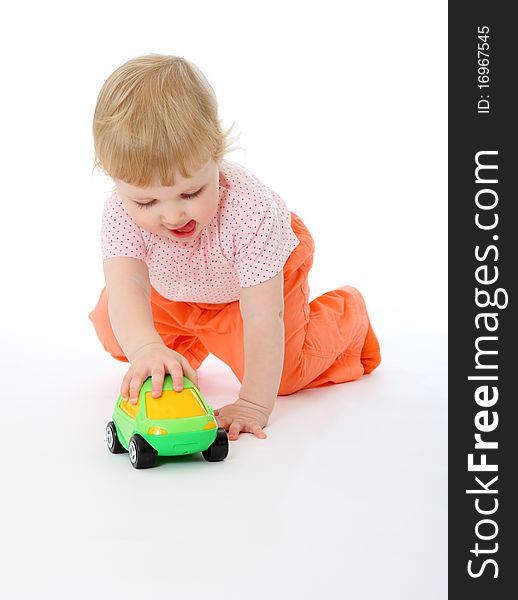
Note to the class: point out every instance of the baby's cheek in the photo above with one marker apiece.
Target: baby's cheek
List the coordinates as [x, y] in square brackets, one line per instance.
[138, 218]
[149, 223]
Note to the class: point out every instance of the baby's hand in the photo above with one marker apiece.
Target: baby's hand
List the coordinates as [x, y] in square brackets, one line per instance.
[155, 359]
[242, 416]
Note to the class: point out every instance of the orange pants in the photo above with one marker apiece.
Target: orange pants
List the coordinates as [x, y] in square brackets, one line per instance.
[328, 340]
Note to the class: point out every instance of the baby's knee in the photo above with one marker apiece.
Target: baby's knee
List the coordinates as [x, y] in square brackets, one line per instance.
[101, 322]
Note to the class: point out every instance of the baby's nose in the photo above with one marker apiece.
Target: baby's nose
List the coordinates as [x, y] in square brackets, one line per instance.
[174, 220]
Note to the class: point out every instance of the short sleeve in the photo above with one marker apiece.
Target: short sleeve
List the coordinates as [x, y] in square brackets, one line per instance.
[120, 235]
[270, 240]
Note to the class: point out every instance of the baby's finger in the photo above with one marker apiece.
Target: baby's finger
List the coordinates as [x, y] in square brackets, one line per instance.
[175, 368]
[216, 412]
[135, 385]
[234, 429]
[190, 373]
[125, 383]
[224, 422]
[158, 381]
[256, 429]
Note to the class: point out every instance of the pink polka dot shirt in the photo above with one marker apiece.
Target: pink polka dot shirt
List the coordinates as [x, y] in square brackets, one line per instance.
[247, 242]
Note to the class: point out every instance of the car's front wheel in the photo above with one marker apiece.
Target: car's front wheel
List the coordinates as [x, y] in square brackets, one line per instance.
[219, 449]
[142, 455]
[112, 439]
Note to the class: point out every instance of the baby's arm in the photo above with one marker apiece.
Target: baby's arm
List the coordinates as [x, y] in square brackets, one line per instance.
[129, 307]
[262, 310]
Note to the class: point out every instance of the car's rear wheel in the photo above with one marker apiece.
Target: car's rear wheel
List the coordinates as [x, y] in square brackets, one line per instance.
[219, 449]
[112, 439]
[142, 455]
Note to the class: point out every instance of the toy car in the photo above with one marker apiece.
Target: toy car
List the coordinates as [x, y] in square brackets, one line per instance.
[173, 424]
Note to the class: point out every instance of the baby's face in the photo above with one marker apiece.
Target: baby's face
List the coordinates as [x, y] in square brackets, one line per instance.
[162, 209]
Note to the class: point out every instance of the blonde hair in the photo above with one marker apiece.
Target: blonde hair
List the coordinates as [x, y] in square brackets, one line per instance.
[154, 114]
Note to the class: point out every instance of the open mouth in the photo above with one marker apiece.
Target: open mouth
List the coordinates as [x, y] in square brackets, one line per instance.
[186, 230]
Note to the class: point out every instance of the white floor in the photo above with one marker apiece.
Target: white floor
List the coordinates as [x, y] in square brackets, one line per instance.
[346, 498]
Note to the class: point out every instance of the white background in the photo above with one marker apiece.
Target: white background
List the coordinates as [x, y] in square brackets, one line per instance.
[341, 108]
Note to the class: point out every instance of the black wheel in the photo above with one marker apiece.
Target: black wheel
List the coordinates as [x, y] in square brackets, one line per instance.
[219, 449]
[142, 455]
[112, 440]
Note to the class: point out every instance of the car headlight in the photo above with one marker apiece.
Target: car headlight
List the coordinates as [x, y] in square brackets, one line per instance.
[210, 425]
[157, 431]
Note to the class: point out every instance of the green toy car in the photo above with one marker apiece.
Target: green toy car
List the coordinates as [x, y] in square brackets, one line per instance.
[173, 424]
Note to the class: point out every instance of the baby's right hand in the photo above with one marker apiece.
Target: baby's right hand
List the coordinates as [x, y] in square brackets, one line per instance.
[155, 359]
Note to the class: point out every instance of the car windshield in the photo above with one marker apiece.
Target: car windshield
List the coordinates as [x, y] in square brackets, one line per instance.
[174, 405]
[130, 409]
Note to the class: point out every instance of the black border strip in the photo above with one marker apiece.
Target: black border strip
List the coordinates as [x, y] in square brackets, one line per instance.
[482, 129]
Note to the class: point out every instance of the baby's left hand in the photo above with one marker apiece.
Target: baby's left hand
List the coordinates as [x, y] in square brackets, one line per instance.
[242, 416]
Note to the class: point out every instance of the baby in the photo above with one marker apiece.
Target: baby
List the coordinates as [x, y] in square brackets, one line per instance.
[202, 257]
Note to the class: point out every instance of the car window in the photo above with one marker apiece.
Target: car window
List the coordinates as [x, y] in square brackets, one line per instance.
[174, 405]
[130, 409]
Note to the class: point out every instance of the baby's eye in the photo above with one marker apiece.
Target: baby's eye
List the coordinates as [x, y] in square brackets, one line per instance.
[194, 195]
[146, 204]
